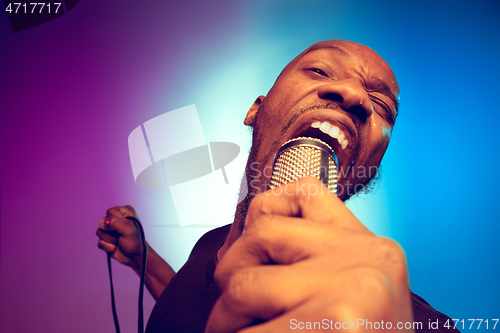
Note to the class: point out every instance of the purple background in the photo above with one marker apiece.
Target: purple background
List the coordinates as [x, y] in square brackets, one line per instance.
[72, 90]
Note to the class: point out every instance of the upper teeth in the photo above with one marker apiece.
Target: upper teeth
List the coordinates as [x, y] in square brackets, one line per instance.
[332, 131]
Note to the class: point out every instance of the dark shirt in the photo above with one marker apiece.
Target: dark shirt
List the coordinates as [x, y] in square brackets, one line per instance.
[186, 302]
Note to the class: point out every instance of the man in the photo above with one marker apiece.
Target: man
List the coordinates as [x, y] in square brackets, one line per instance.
[295, 257]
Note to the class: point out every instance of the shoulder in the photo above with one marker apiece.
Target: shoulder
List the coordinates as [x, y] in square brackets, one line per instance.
[429, 319]
[212, 239]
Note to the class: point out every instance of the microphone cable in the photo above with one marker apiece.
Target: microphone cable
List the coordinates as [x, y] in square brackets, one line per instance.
[140, 320]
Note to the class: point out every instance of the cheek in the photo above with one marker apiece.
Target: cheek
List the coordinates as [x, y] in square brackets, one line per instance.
[287, 94]
[377, 142]
[386, 131]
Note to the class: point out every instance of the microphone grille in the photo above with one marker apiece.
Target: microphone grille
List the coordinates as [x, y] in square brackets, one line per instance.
[304, 156]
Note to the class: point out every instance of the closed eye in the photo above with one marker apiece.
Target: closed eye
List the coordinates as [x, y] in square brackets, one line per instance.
[317, 70]
[389, 113]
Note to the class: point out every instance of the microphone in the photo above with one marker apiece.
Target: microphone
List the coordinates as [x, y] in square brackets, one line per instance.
[305, 156]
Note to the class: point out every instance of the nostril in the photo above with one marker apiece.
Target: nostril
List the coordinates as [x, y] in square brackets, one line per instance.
[333, 97]
[359, 112]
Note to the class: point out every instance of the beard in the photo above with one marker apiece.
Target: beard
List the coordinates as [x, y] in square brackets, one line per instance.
[252, 175]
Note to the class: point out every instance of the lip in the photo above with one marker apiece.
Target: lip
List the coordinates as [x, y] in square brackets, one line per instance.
[302, 127]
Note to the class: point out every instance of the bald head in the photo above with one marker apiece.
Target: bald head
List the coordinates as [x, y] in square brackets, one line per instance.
[341, 92]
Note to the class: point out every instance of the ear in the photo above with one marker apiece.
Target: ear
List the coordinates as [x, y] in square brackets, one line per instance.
[252, 113]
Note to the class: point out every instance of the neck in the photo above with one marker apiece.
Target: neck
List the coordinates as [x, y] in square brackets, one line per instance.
[254, 182]
[238, 224]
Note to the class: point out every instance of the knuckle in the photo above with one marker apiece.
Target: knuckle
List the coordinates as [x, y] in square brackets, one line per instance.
[341, 310]
[111, 210]
[259, 229]
[236, 289]
[373, 282]
[373, 287]
[127, 211]
[260, 208]
[258, 203]
[393, 257]
[391, 252]
[130, 209]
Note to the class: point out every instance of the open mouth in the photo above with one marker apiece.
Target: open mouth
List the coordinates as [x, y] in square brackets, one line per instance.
[333, 133]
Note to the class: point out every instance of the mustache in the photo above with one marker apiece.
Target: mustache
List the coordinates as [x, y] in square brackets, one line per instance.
[319, 106]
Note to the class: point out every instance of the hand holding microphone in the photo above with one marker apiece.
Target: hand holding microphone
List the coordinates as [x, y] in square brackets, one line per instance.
[305, 258]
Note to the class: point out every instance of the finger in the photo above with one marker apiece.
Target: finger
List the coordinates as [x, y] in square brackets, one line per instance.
[103, 223]
[121, 211]
[278, 239]
[268, 292]
[345, 307]
[129, 211]
[286, 240]
[257, 292]
[107, 247]
[116, 222]
[314, 315]
[104, 232]
[309, 315]
[108, 236]
[307, 198]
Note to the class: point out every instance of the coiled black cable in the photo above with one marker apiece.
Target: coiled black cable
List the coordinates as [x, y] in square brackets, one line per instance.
[140, 320]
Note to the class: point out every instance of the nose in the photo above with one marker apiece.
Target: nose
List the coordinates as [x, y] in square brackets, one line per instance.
[351, 96]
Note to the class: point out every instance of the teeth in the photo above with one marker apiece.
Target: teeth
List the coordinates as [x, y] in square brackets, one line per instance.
[341, 138]
[332, 131]
[325, 127]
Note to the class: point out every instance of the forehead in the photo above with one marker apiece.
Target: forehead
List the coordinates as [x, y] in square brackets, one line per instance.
[351, 56]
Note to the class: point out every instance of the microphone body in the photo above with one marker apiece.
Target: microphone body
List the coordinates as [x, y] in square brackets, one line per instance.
[305, 156]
